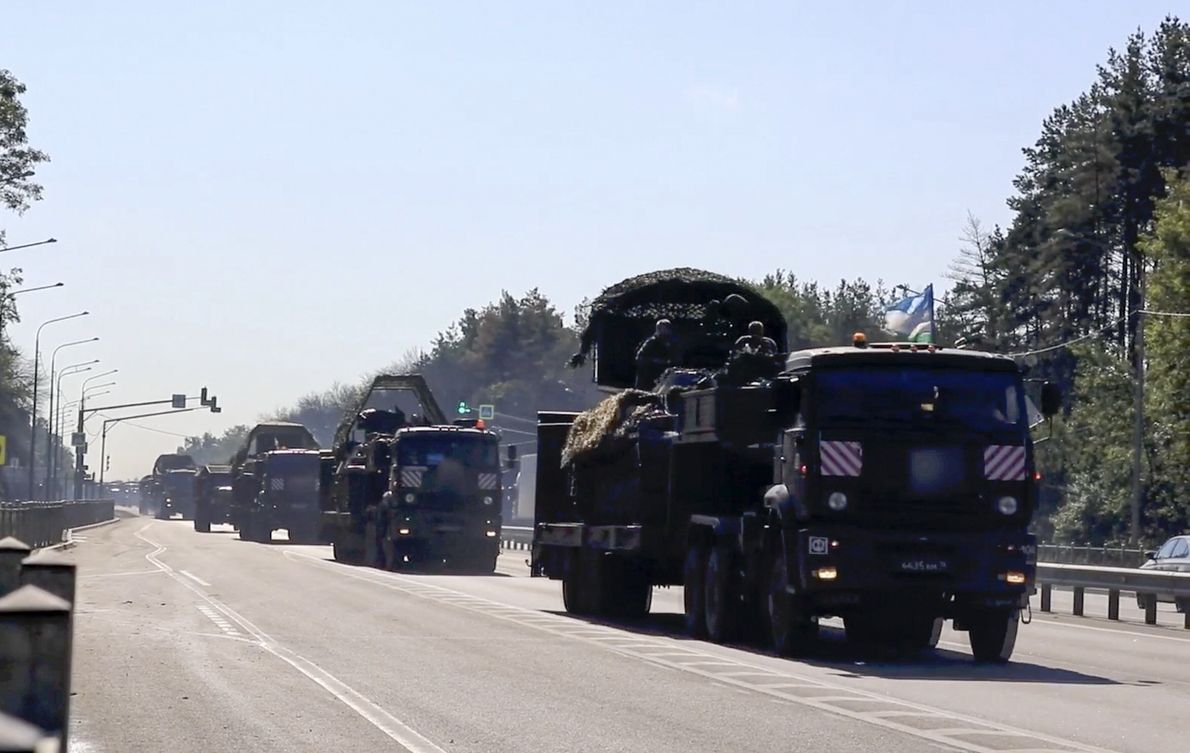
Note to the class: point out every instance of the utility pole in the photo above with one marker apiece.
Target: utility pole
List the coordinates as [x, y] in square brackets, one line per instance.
[1138, 411]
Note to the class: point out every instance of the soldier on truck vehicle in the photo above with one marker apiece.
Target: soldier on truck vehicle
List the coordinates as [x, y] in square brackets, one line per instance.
[755, 342]
[655, 355]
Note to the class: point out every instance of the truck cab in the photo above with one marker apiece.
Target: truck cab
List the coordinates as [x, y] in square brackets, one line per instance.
[276, 483]
[444, 498]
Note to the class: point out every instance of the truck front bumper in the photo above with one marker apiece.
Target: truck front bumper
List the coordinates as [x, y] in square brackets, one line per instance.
[845, 566]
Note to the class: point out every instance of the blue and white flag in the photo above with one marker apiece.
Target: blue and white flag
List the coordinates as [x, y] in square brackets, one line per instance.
[912, 317]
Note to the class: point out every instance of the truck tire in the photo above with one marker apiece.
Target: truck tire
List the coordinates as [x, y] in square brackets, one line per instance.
[583, 585]
[694, 573]
[373, 552]
[790, 631]
[572, 596]
[627, 588]
[992, 634]
[349, 555]
[202, 520]
[721, 601]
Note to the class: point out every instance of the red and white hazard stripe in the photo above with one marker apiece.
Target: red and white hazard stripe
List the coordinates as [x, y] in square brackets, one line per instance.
[1004, 462]
[411, 477]
[488, 480]
[841, 458]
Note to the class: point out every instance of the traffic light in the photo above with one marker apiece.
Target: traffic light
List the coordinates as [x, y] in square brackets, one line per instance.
[464, 408]
[214, 405]
[203, 397]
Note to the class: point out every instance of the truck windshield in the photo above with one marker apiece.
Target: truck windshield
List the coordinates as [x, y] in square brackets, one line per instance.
[977, 400]
[293, 465]
[179, 483]
[471, 451]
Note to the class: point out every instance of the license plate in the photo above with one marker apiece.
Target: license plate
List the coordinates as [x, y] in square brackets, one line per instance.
[447, 529]
[923, 565]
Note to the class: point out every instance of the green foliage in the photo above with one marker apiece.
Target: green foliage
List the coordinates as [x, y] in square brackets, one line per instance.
[511, 353]
[17, 159]
[209, 449]
[818, 316]
[1167, 342]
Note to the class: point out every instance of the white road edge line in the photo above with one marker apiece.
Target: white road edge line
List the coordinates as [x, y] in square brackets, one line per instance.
[195, 578]
[394, 728]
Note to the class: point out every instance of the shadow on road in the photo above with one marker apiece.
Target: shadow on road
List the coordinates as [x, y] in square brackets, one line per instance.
[832, 651]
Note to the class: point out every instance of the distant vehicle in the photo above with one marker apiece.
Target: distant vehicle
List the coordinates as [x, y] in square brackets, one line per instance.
[1173, 556]
[213, 497]
[170, 488]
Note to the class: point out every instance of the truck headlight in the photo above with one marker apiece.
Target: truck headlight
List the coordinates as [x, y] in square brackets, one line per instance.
[1007, 505]
[837, 501]
[410, 498]
[488, 500]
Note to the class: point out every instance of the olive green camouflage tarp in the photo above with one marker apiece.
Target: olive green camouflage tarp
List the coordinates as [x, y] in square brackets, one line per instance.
[611, 419]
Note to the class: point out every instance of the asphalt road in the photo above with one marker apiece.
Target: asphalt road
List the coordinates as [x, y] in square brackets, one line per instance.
[203, 642]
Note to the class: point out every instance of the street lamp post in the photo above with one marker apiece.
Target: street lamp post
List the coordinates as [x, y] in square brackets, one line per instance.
[33, 407]
[49, 435]
[20, 292]
[55, 418]
[28, 245]
[78, 449]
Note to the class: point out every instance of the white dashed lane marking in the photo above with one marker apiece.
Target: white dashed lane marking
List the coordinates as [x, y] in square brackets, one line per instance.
[935, 725]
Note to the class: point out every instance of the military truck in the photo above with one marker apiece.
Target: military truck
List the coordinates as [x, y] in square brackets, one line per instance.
[148, 502]
[212, 497]
[275, 480]
[407, 486]
[891, 485]
[171, 486]
[444, 498]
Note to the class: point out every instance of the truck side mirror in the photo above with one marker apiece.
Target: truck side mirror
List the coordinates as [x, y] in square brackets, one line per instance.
[511, 456]
[1051, 399]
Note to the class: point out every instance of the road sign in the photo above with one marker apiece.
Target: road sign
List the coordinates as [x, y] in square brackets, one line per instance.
[3, 450]
[487, 412]
[78, 439]
[179, 401]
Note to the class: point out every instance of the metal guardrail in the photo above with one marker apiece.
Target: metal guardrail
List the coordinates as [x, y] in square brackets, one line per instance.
[1079, 578]
[1100, 556]
[41, 524]
[516, 537]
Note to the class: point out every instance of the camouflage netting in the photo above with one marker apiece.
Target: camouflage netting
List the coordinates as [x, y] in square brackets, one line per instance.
[676, 294]
[611, 420]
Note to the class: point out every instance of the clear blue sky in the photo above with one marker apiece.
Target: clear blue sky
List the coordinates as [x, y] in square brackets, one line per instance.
[268, 197]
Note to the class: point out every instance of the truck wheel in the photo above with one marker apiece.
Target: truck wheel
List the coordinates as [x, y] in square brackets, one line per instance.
[790, 630]
[202, 521]
[993, 634]
[694, 579]
[935, 633]
[572, 597]
[719, 596]
[582, 584]
[373, 554]
[628, 590]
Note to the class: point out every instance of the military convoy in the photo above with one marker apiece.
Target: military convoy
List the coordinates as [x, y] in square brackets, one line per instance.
[890, 485]
[408, 488]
